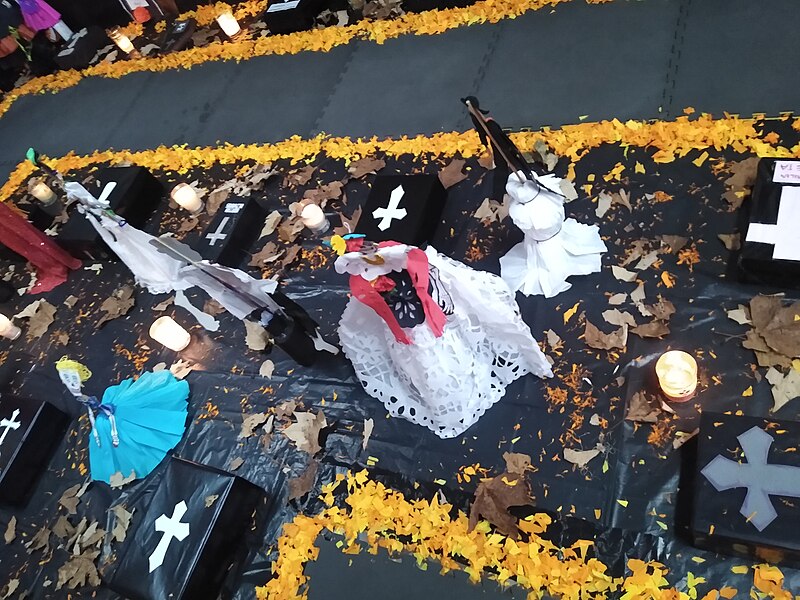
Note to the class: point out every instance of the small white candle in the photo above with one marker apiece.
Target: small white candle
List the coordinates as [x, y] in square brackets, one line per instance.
[8, 329]
[229, 24]
[42, 192]
[313, 218]
[122, 41]
[186, 197]
[677, 375]
[169, 333]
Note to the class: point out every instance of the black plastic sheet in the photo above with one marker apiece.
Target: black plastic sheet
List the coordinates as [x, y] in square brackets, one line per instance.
[628, 499]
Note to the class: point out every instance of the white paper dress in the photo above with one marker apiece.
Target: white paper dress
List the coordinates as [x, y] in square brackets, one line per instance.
[554, 248]
[444, 383]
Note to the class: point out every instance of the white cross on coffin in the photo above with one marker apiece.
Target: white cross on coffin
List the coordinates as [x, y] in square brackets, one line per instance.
[172, 528]
[9, 424]
[761, 479]
[391, 212]
[784, 235]
[218, 236]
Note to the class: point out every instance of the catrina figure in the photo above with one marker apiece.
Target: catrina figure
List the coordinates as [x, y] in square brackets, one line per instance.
[433, 339]
[136, 423]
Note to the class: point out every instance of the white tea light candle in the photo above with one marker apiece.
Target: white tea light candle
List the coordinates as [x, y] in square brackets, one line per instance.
[8, 329]
[123, 42]
[677, 375]
[169, 333]
[186, 197]
[229, 24]
[42, 192]
[313, 218]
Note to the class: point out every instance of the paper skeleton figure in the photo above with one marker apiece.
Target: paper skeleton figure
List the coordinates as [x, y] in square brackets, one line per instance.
[135, 424]
[434, 340]
[554, 248]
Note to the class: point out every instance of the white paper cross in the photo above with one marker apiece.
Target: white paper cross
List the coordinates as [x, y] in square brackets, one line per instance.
[391, 212]
[8, 424]
[218, 235]
[784, 234]
[761, 479]
[172, 528]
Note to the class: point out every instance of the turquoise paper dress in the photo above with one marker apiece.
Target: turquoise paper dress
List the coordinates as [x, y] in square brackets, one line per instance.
[150, 413]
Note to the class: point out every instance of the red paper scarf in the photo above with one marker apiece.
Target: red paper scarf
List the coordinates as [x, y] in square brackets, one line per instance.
[51, 262]
[417, 267]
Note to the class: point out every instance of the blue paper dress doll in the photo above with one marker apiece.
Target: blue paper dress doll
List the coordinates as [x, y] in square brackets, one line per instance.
[135, 425]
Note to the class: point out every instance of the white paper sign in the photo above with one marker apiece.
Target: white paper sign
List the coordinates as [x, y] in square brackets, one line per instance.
[784, 233]
[283, 6]
[787, 171]
[233, 209]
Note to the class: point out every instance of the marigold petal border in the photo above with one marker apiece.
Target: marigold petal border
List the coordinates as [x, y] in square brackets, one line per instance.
[430, 22]
[669, 139]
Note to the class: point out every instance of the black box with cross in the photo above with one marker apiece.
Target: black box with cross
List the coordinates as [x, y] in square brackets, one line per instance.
[29, 432]
[185, 543]
[403, 208]
[747, 487]
[235, 227]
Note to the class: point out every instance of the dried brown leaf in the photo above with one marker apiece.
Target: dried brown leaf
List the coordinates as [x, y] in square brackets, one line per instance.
[298, 176]
[517, 463]
[305, 432]
[491, 210]
[619, 318]
[369, 424]
[291, 255]
[595, 338]
[79, 571]
[162, 306]
[642, 409]
[663, 309]
[235, 464]
[299, 486]
[11, 530]
[653, 329]
[674, 242]
[215, 199]
[266, 369]
[40, 541]
[623, 274]
[40, 315]
[348, 225]
[365, 166]
[117, 480]
[493, 499]
[117, 305]
[210, 500]
[268, 254]
[580, 458]
[250, 423]
[270, 224]
[213, 308]
[257, 337]
[732, 241]
[452, 173]
[290, 229]
[122, 520]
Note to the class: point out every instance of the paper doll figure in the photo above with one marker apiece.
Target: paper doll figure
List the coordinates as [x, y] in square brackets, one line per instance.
[554, 248]
[135, 425]
[39, 15]
[52, 263]
[505, 154]
[164, 264]
[434, 340]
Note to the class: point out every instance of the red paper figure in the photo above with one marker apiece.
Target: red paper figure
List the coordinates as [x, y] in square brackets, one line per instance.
[51, 262]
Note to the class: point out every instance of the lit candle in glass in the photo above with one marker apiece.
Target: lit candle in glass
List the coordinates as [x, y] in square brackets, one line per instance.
[186, 197]
[167, 332]
[313, 218]
[677, 375]
[8, 329]
[41, 191]
[229, 24]
[123, 42]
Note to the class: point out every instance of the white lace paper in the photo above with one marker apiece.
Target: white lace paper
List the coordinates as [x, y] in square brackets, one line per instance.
[553, 248]
[445, 383]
